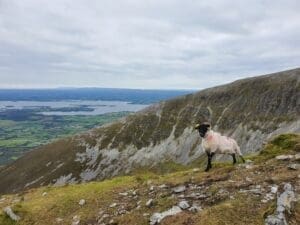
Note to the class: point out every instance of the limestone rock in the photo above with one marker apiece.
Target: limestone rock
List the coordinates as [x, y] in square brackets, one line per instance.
[284, 157]
[8, 211]
[284, 203]
[183, 204]
[294, 166]
[179, 189]
[157, 217]
[81, 202]
[113, 205]
[149, 203]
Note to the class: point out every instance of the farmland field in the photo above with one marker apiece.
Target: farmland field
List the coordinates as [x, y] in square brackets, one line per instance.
[30, 118]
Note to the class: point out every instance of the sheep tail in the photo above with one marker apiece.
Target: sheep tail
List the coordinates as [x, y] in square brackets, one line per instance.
[238, 150]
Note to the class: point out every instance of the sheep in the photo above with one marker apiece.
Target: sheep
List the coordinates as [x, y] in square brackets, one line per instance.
[214, 143]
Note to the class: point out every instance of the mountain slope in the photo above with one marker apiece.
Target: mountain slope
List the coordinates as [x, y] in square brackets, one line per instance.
[251, 110]
[240, 194]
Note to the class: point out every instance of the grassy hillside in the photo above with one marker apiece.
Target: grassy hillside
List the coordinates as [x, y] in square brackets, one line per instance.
[250, 110]
[227, 194]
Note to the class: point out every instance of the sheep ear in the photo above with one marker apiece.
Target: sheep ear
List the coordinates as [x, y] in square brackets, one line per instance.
[197, 126]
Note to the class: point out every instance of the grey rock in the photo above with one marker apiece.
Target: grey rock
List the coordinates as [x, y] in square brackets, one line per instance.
[151, 188]
[248, 166]
[256, 191]
[158, 217]
[149, 203]
[297, 156]
[274, 220]
[284, 157]
[113, 205]
[81, 202]
[268, 197]
[284, 203]
[163, 186]
[196, 196]
[286, 199]
[248, 179]
[8, 211]
[183, 204]
[112, 222]
[123, 193]
[179, 189]
[195, 170]
[294, 166]
[274, 189]
[195, 208]
[59, 220]
[76, 220]
[122, 211]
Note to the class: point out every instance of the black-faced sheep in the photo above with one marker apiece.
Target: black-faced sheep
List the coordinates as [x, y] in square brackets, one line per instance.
[214, 143]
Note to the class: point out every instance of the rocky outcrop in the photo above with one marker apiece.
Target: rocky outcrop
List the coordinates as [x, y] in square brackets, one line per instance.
[284, 204]
[250, 110]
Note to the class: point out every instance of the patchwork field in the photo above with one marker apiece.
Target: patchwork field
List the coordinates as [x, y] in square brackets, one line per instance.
[27, 130]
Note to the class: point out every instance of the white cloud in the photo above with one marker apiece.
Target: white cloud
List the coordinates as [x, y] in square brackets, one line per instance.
[144, 44]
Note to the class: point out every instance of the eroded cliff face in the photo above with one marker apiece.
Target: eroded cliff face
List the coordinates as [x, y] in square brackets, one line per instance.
[250, 110]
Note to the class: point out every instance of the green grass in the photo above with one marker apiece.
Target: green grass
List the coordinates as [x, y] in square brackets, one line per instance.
[282, 144]
[17, 137]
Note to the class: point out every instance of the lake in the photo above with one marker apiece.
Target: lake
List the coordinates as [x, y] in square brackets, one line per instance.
[72, 107]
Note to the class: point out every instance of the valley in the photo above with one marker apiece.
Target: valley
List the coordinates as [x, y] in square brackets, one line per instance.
[23, 130]
[32, 118]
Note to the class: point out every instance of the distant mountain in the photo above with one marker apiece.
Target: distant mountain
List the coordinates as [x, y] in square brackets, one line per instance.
[138, 96]
[250, 110]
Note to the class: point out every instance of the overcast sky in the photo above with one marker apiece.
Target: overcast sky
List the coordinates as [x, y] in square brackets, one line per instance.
[166, 44]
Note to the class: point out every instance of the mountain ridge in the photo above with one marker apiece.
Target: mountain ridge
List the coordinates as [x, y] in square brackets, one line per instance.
[251, 110]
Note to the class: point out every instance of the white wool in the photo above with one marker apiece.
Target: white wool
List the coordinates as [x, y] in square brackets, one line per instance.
[214, 142]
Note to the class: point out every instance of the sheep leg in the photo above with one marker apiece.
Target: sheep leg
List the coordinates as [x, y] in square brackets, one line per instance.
[242, 158]
[209, 158]
[234, 159]
[238, 151]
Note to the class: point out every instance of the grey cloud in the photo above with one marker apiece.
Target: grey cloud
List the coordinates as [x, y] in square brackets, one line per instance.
[144, 44]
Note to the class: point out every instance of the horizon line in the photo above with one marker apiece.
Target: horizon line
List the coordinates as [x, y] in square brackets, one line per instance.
[92, 87]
